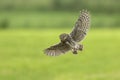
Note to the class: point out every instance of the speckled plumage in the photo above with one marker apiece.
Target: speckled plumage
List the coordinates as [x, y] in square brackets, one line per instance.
[70, 41]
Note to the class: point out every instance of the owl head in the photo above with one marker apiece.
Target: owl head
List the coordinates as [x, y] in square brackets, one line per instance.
[63, 37]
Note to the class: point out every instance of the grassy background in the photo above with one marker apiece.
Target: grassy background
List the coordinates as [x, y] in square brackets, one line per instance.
[27, 27]
[22, 58]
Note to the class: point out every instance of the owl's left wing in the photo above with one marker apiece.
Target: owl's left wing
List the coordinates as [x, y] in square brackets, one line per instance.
[81, 27]
[57, 49]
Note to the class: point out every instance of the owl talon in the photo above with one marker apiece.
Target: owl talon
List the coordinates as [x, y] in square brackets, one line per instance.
[80, 47]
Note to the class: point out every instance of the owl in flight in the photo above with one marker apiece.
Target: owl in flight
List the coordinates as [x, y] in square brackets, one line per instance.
[70, 41]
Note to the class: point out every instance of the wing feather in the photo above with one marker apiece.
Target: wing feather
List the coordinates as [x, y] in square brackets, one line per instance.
[57, 49]
[81, 26]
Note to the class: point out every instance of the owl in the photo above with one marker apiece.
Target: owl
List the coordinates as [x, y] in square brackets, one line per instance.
[70, 42]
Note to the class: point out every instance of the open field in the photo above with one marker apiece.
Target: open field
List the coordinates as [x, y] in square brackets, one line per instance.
[22, 58]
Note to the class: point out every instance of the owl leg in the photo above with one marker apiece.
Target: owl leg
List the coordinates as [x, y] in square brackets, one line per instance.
[80, 47]
[74, 51]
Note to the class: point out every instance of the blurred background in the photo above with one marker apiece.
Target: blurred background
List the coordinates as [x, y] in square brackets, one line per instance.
[27, 27]
[26, 14]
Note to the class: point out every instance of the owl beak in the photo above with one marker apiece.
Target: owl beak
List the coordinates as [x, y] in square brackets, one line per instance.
[64, 38]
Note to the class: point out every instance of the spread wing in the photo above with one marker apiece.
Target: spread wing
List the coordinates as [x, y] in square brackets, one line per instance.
[57, 49]
[81, 26]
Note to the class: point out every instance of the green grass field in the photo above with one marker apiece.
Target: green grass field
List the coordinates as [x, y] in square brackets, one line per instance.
[22, 58]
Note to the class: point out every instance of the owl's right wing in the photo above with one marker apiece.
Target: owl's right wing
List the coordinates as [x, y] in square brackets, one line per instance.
[81, 27]
[57, 49]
